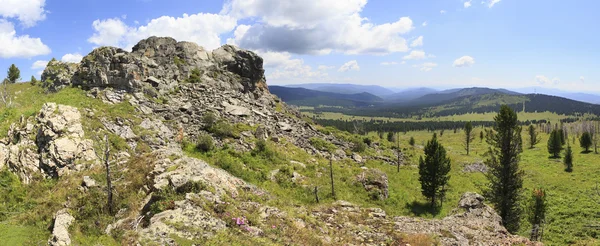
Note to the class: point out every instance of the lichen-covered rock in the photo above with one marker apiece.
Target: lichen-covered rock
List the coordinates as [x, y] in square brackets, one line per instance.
[375, 182]
[58, 75]
[60, 232]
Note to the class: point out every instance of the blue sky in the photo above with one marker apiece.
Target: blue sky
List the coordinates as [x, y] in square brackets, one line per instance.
[434, 43]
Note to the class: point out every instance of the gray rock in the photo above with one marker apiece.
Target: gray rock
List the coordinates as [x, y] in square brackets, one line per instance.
[60, 232]
[285, 126]
[356, 157]
[375, 182]
[237, 110]
[58, 74]
[88, 182]
[471, 200]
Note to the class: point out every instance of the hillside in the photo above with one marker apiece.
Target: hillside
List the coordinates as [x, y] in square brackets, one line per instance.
[410, 94]
[196, 150]
[314, 98]
[345, 88]
[448, 95]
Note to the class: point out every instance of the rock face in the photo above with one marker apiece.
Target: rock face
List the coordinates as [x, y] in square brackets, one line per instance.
[60, 232]
[52, 145]
[157, 65]
[58, 75]
[375, 182]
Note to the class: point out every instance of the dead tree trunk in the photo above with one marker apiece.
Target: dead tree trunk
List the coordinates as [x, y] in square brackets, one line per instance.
[398, 150]
[108, 178]
[317, 193]
[331, 175]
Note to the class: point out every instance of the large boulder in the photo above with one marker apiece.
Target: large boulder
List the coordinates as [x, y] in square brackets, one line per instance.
[60, 232]
[58, 74]
[158, 64]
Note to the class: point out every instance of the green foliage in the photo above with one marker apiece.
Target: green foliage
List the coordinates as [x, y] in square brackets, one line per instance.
[433, 170]
[411, 142]
[13, 74]
[568, 161]
[554, 144]
[390, 137]
[358, 146]
[321, 144]
[534, 138]
[205, 143]
[505, 176]
[561, 135]
[178, 61]
[12, 195]
[195, 76]
[33, 80]
[537, 212]
[367, 141]
[209, 120]
[224, 129]
[585, 141]
[468, 135]
[165, 199]
[481, 136]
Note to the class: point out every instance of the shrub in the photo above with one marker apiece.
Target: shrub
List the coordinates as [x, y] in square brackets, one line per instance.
[586, 141]
[224, 130]
[411, 141]
[209, 119]
[321, 144]
[195, 76]
[359, 146]
[205, 143]
[367, 141]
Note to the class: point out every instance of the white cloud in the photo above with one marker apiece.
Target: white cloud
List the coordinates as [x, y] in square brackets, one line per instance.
[325, 68]
[415, 55]
[426, 67]
[349, 66]
[417, 42]
[316, 27]
[467, 4]
[543, 80]
[388, 63]
[465, 61]
[13, 46]
[281, 67]
[491, 3]
[204, 29]
[403, 62]
[40, 64]
[442, 11]
[75, 58]
[424, 23]
[28, 12]
[582, 79]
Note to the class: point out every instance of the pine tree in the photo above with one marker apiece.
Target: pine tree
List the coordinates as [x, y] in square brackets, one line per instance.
[468, 136]
[534, 138]
[14, 74]
[505, 176]
[586, 141]
[537, 213]
[568, 161]
[33, 80]
[554, 144]
[411, 141]
[390, 137]
[433, 170]
[561, 136]
[481, 136]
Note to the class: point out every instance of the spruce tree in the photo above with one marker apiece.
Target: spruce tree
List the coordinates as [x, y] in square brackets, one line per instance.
[586, 141]
[468, 136]
[554, 144]
[561, 135]
[534, 138]
[433, 170]
[33, 80]
[481, 136]
[505, 176]
[14, 74]
[390, 137]
[568, 161]
[411, 141]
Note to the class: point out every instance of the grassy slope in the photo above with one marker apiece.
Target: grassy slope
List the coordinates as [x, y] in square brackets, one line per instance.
[552, 117]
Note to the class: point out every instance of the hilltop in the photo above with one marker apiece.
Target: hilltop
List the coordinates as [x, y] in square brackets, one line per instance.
[201, 152]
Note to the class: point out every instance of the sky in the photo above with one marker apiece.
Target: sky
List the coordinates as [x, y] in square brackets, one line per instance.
[393, 43]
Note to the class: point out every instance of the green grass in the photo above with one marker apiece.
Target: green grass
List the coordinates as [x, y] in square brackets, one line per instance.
[552, 117]
[22, 235]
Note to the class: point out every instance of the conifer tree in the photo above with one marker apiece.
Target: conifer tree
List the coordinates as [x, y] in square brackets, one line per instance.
[33, 80]
[13, 74]
[554, 144]
[568, 161]
[433, 170]
[505, 176]
[534, 138]
[468, 136]
[586, 141]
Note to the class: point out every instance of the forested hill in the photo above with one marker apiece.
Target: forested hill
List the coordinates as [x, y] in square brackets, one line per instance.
[481, 104]
[314, 98]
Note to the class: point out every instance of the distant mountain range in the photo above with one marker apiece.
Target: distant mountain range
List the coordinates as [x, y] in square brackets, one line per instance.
[398, 95]
[314, 98]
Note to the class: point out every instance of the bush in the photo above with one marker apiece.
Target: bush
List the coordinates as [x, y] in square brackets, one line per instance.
[411, 141]
[224, 130]
[194, 76]
[359, 146]
[367, 141]
[209, 119]
[205, 143]
[321, 144]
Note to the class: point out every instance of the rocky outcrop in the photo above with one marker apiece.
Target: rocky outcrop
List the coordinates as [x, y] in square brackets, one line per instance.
[157, 65]
[58, 75]
[51, 145]
[375, 183]
[60, 232]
